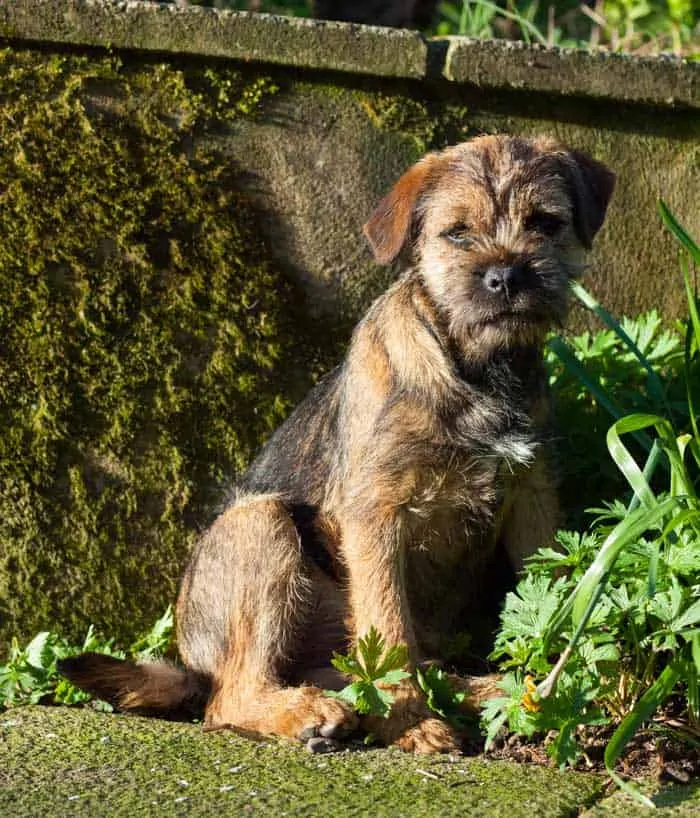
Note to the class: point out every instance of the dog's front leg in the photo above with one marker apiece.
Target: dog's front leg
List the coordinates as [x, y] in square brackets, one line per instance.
[533, 514]
[375, 554]
[375, 557]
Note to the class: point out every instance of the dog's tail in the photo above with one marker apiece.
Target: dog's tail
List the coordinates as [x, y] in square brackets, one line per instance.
[156, 688]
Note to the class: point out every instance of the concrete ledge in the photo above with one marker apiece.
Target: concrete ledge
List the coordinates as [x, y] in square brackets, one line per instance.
[365, 50]
[499, 63]
[164, 27]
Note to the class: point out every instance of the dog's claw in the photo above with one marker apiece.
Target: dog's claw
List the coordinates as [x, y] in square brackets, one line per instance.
[336, 730]
[319, 744]
[309, 732]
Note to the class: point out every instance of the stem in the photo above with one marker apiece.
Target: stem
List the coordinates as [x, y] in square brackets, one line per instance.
[547, 687]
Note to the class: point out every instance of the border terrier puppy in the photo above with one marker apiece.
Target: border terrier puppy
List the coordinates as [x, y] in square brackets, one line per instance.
[385, 497]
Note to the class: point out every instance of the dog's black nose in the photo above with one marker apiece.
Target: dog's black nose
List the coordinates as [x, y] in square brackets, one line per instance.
[499, 279]
[504, 279]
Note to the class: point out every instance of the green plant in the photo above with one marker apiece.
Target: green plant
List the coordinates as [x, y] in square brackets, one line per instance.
[596, 377]
[617, 25]
[610, 622]
[440, 695]
[479, 18]
[30, 676]
[374, 668]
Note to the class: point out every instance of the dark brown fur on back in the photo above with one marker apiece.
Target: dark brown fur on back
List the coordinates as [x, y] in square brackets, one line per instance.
[390, 493]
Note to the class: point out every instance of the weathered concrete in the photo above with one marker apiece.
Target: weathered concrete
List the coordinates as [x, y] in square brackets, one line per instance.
[358, 49]
[323, 155]
[679, 801]
[75, 762]
[659, 81]
[174, 29]
[64, 762]
[330, 144]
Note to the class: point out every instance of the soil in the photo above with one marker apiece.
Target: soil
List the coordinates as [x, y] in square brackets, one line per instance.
[651, 753]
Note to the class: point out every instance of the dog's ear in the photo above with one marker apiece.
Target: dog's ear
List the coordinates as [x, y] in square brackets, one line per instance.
[592, 184]
[389, 226]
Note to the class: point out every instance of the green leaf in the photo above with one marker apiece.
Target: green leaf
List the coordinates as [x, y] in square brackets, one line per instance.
[689, 617]
[395, 658]
[157, 640]
[370, 649]
[624, 460]
[655, 384]
[678, 231]
[439, 694]
[624, 533]
[35, 651]
[563, 748]
[393, 677]
[374, 670]
[347, 664]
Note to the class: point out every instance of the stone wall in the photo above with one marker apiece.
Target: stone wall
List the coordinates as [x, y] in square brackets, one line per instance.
[233, 160]
[356, 104]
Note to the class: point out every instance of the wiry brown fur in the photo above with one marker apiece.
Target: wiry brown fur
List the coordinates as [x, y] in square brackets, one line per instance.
[384, 499]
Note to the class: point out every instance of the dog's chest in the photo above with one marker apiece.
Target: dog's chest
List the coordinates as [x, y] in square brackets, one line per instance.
[456, 502]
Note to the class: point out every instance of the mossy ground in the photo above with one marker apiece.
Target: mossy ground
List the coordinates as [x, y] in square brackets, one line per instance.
[146, 344]
[77, 762]
[60, 761]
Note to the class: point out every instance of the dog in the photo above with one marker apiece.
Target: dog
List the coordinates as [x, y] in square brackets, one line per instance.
[387, 496]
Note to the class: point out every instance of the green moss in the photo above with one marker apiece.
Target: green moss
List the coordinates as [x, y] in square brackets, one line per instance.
[141, 327]
[80, 763]
[430, 123]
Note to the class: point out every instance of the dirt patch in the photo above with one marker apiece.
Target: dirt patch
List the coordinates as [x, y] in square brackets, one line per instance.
[649, 755]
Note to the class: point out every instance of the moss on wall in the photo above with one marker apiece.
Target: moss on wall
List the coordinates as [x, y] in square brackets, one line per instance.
[140, 328]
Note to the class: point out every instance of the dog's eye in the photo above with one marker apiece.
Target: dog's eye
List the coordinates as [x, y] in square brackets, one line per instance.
[459, 234]
[545, 223]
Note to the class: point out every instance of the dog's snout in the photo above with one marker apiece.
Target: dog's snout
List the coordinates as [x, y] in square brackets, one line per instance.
[498, 279]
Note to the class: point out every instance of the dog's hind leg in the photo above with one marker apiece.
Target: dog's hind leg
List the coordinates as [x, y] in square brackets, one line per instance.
[247, 599]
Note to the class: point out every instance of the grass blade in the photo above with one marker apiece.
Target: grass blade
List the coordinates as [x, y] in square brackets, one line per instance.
[693, 331]
[527, 29]
[688, 517]
[655, 386]
[580, 604]
[673, 447]
[690, 334]
[625, 532]
[643, 710]
[624, 460]
[572, 363]
[678, 231]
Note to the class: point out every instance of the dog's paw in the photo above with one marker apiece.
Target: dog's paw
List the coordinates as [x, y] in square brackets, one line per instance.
[412, 726]
[301, 713]
[324, 717]
[429, 736]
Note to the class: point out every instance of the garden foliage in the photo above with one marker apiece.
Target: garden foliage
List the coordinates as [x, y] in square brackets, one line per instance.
[606, 628]
[30, 675]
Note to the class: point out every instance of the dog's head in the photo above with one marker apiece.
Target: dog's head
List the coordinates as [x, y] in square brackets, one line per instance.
[496, 227]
